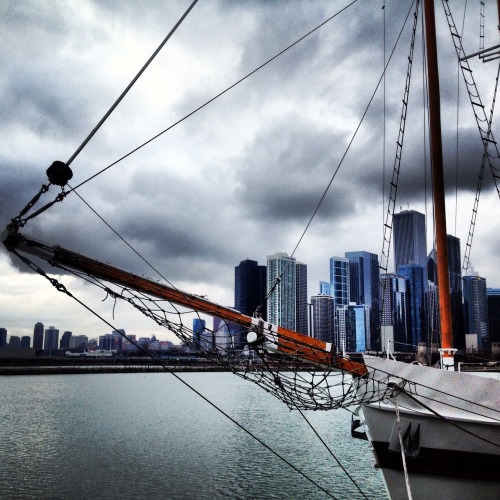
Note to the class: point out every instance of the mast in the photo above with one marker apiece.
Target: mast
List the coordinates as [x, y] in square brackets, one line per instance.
[436, 150]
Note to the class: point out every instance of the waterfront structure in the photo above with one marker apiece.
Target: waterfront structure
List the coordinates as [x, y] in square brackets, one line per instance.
[409, 238]
[301, 321]
[250, 288]
[323, 316]
[3, 338]
[394, 330]
[51, 342]
[38, 336]
[364, 290]
[281, 290]
[415, 276]
[340, 290]
[476, 311]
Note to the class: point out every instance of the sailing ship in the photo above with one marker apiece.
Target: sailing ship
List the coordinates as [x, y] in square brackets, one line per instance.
[431, 430]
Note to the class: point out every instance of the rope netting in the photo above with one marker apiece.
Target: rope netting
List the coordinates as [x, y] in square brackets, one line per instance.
[299, 383]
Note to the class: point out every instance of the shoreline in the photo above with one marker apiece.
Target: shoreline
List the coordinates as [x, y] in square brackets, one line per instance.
[115, 368]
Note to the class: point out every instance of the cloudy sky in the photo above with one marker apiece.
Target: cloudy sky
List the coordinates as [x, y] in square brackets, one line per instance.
[240, 178]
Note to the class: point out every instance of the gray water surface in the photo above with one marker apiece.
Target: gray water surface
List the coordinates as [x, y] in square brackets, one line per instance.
[134, 436]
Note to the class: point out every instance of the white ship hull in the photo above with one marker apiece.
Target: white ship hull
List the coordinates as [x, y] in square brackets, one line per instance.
[452, 455]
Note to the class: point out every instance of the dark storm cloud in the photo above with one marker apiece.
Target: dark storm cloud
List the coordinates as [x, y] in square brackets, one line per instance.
[286, 170]
[242, 177]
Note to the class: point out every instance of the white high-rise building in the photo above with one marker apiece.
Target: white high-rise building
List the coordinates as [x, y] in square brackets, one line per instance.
[281, 290]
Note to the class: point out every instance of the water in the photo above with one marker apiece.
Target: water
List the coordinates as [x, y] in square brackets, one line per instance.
[134, 436]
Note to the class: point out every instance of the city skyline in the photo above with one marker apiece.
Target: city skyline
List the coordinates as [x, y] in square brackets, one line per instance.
[340, 269]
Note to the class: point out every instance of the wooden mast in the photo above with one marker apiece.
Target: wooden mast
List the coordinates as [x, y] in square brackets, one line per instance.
[436, 150]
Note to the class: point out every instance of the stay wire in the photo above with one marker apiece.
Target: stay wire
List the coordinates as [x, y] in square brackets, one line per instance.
[60, 287]
[216, 97]
[130, 85]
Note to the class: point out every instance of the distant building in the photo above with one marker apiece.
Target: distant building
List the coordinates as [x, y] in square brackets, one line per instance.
[38, 337]
[3, 338]
[301, 319]
[14, 342]
[432, 308]
[250, 282]
[493, 296]
[415, 276]
[281, 290]
[79, 341]
[324, 288]
[364, 290]
[25, 341]
[65, 340]
[323, 316]
[250, 287]
[51, 340]
[409, 238]
[340, 291]
[394, 331]
[223, 340]
[455, 273]
[476, 311]
[198, 330]
[354, 326]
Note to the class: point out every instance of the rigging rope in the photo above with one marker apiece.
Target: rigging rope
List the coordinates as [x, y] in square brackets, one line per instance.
[61, 288]
[483, 124]
[131, 84]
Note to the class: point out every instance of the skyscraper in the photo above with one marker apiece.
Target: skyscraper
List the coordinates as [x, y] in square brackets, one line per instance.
[324, 288]
[364, 290]
[250, 287]
[65, 340]
[414, 275]
[38, 336]
[455, 273]
[340, 281]
[51, 340]
[340, 290]
[409, 239]
[493, 296]
[198, 330]
[3, 337]
[394, 330]
[281, 290]
[301, 322]
[476, 311]
[323, 318]
[354, 326]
